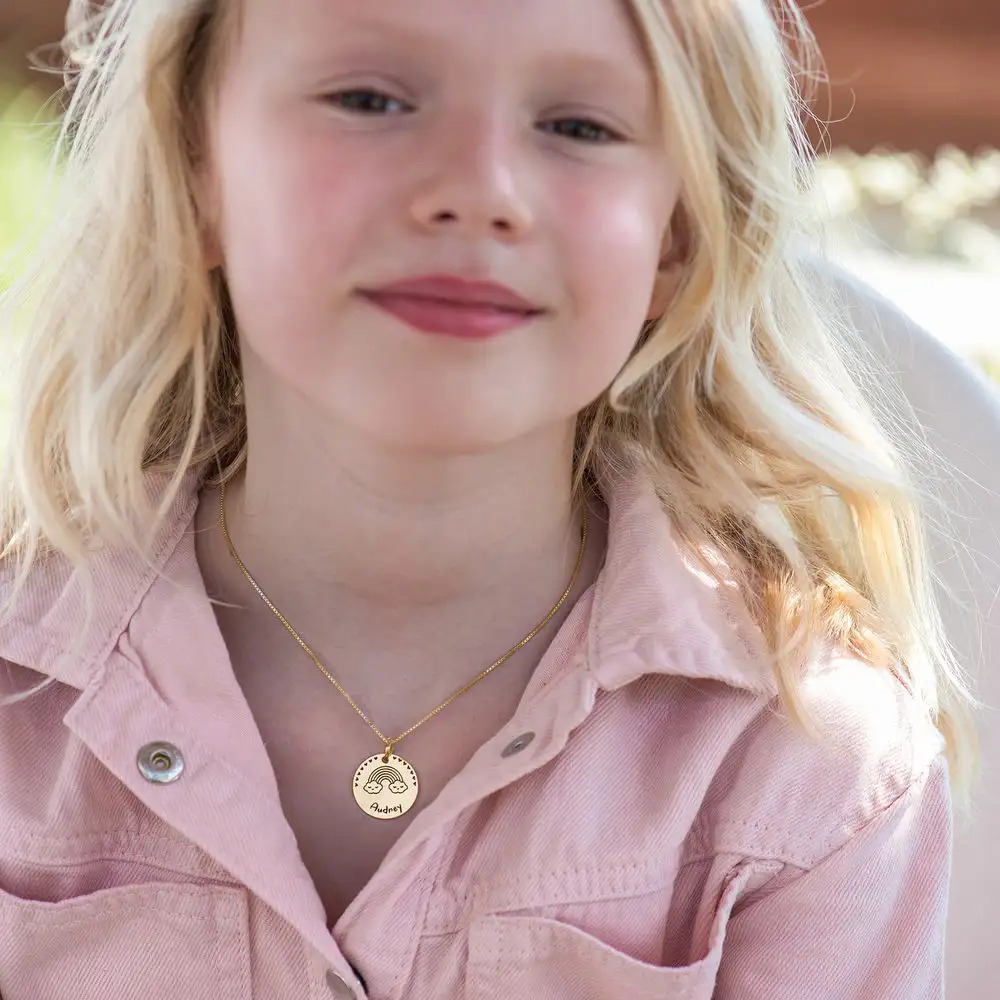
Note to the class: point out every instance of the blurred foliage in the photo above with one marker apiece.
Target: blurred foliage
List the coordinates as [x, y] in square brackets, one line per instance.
[990, 363]
[946, 207]
[26, 135]
[24, 157]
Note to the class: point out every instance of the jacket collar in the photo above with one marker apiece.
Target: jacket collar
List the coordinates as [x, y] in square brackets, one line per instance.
[654, 610]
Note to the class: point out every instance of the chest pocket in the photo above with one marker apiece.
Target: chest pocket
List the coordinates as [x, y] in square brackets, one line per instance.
[155, 941]
[526, 957]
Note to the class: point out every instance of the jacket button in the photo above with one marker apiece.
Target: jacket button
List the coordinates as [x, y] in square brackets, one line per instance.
[338, 988]
[516, 746]
[160, 762]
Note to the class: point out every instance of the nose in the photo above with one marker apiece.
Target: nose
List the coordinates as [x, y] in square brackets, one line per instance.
[474, 182]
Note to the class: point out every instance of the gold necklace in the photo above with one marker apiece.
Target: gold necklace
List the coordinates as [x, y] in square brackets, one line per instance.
[386, 785]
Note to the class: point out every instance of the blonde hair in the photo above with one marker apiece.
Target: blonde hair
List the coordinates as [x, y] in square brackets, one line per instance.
[750, 403]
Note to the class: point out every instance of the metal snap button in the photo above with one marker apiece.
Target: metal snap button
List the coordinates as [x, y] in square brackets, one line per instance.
[516, 746]
[338, 987]
[160, 762]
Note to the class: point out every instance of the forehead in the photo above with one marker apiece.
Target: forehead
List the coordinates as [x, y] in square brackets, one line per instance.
[497, 29]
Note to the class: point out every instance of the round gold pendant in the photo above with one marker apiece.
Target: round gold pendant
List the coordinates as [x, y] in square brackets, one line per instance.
[385, 789]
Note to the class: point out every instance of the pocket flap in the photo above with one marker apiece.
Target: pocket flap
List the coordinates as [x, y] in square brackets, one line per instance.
[171, 942]
[520, 957]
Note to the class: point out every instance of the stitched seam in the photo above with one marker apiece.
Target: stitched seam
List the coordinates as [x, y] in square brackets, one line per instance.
[475, 891]
[28, 911]
[66, 866]
[524, 894]
[829, 847]
[99, 652]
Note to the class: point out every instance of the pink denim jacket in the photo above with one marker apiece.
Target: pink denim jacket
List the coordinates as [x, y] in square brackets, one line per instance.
[647, 826]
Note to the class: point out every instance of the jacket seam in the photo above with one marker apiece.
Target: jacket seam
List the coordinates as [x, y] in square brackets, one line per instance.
[99, 650]
[830, 845]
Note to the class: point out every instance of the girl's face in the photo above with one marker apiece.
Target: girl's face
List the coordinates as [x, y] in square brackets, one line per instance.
[358, 144]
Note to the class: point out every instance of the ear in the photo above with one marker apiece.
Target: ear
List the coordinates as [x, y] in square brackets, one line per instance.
[670, 271]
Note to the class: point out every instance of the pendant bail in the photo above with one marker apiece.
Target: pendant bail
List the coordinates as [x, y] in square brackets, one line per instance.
[388, 753]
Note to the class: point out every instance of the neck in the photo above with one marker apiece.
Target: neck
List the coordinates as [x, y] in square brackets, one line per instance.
[436, 564]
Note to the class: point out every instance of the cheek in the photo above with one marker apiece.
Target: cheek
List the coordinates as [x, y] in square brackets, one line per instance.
[296, 211]
[291, 202]
[612, 242]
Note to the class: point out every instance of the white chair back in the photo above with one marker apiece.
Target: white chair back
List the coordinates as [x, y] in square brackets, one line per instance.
[960, 412]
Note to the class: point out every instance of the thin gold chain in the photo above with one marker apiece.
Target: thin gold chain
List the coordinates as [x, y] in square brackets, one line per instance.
[389, 744]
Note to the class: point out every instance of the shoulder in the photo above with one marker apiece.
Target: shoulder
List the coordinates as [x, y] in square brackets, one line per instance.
[67, 613]
[783, 794]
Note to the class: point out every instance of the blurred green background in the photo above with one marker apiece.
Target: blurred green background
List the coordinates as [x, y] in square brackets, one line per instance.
[24, 145]
[25, 137]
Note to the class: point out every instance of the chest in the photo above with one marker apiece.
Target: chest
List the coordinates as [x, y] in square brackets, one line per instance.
[315, 746]
[341, 846]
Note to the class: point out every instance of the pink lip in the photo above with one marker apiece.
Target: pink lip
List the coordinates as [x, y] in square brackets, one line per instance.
[453, 306]
[453, 289]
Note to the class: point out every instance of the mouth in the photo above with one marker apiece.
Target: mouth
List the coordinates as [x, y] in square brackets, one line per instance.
[471, 306]
[461, 320]
[457, 290]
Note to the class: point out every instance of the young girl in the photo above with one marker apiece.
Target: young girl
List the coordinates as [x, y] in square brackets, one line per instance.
[450, 550]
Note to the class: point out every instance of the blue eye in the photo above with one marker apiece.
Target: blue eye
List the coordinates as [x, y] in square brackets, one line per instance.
[367, 102]
[581, 129]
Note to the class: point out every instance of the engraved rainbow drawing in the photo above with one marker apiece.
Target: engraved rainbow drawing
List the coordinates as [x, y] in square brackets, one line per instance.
[378, 778]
